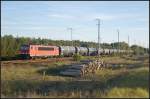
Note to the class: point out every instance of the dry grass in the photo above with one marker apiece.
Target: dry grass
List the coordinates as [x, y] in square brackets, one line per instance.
[27, 80]
[127, 93]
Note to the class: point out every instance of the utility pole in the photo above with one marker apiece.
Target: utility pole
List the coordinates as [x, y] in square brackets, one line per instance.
[118, 42]
[128, 44]
[17, 37]
[98, 36]
[71, 35]
[147, 48]
[143, 44]
[128, 40]
[135, 45]
[134, 42]
[139, 46]
[113, 44]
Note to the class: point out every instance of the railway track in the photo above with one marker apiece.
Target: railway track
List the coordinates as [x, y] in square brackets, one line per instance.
[50, 60]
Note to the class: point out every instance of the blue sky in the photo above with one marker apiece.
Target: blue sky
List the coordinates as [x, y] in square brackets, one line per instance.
[50, 19]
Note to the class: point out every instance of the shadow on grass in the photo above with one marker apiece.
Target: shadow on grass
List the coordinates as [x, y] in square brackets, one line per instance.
[131, 79]
[16, 87]
[53, 71]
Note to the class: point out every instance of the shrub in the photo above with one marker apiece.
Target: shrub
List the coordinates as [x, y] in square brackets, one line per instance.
[61, 56]
[77, 57]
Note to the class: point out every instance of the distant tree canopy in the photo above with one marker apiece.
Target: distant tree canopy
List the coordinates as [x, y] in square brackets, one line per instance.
[11, 45]
[139, 49]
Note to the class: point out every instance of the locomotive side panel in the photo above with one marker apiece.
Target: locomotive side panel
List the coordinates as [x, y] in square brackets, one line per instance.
[45, 51]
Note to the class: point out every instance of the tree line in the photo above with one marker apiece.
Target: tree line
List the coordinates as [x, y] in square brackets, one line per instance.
[10, 45]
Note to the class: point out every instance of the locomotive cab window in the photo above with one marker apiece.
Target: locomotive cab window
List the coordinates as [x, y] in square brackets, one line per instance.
[46, 48]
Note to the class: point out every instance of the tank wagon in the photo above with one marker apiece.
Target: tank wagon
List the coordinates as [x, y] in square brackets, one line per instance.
[67, 50]
[111, 51]
[106, 51]
[101, 51]
[82, 50]
[115, 50]
[92, 51]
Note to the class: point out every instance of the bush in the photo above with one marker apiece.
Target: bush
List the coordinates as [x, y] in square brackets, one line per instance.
[61, 56]
[77, 57]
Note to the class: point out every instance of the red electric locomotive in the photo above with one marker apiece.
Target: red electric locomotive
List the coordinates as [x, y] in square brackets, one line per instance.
[39, 51]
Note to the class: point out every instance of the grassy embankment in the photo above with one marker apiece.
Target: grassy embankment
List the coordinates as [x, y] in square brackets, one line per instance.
[43, 80]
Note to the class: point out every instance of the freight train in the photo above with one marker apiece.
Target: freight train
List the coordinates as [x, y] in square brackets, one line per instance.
[33, 51]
